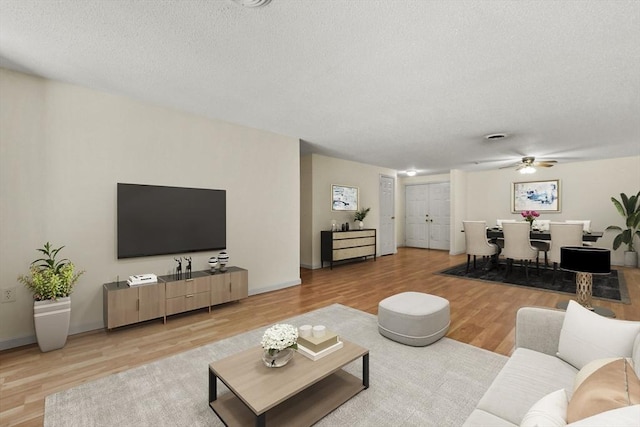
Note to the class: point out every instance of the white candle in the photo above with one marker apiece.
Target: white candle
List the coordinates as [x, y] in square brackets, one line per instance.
[318, 331]
[304, 331]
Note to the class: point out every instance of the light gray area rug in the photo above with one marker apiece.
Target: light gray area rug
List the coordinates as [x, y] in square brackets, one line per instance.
[438, 385]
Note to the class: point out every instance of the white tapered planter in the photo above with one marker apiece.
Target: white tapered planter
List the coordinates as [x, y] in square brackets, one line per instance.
[51, 318]
[630, 259]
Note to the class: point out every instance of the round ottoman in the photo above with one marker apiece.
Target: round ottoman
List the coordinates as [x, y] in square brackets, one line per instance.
[413, 318]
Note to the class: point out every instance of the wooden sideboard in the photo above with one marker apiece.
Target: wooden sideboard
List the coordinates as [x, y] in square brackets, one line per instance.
[344, 245]
[125, 305]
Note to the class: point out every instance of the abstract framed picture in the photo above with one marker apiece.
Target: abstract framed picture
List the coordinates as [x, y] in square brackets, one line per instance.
[344, 198]
[542, 196]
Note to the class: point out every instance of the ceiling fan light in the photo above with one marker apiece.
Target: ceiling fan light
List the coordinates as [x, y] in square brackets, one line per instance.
[528, 169]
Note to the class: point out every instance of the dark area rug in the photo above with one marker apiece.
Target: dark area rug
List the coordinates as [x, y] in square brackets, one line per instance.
[610, 287]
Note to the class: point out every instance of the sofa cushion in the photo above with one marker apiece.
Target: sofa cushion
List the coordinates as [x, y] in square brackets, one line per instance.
[482, 418]
[590, 368]
[550, 411]
[526, 377]
[635, 356]
[586, 336]
[613, 385]
[621, 417]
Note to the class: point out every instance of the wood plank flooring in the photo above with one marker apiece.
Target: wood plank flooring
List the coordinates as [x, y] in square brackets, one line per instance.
[482, 314]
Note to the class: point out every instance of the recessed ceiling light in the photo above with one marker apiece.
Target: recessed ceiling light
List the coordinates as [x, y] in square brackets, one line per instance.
[495, 136]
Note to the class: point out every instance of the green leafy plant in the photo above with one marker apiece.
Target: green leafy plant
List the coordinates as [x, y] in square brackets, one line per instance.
[50, 278]
[361, 214]
[629, 208]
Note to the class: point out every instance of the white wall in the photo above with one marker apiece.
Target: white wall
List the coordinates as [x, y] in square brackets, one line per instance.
[326, 171]
[63, 148]
[586, 191]
[306, 212]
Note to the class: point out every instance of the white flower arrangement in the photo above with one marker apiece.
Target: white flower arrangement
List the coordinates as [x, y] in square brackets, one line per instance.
[280, 336]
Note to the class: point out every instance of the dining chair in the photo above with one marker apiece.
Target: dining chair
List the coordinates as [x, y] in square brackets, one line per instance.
[586, 224]
[586, 227]
[541, 224]
[477, 244]
[563, 234]
[517, 246]
[499, 222]
[541, 245]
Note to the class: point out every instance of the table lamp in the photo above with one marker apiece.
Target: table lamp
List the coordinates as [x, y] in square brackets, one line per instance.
[585, 262]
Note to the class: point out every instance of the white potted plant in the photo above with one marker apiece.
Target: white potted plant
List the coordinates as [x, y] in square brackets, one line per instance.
[629, 208]
[360, 215]
[51, 281]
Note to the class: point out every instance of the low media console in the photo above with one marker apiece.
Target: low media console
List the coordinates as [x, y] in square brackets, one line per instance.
[125, 305]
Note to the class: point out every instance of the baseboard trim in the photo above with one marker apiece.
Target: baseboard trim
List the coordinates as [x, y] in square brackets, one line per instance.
[17, 342]
[276, 287]
[31, 339]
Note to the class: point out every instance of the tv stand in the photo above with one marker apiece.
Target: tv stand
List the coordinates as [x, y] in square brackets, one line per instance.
[126, 305]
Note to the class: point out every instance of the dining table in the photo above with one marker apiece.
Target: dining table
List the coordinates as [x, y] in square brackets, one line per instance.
[495, 233]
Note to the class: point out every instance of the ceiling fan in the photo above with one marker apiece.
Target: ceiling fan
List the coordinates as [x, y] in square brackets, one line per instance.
[528, 164]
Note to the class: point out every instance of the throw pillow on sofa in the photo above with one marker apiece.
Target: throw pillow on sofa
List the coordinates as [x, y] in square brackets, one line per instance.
[586, 336]
[550, 411]
[613, 385]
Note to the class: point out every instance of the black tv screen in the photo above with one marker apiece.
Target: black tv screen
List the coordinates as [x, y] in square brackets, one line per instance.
[158, 220]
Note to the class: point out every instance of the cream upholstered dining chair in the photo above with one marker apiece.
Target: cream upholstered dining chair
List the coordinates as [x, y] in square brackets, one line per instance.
[563, 234]
[499, 222]
[541, 224]
[475, 235]
[586, 227]
[541, 245]
[517, 246]
[586, 224]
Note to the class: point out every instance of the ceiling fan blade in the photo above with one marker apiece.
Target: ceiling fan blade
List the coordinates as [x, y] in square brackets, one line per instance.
[510, 166]
[546, 163]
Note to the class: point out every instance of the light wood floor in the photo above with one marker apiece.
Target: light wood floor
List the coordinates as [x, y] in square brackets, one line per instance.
[482, 314]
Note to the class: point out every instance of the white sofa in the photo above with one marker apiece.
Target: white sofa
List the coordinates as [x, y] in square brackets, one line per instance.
[553, 349]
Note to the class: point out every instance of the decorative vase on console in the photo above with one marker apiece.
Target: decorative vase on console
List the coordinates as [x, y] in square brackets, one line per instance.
[360, 216]
[278, 343]
[213, 263]
[223, 260]
[530, 216]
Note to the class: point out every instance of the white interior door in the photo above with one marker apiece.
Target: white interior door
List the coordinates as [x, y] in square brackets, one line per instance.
[416, 219]
[387, 233]
[427, 220]
[439, 216]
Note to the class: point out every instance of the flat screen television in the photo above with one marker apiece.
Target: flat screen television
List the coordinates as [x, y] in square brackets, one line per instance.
[159, 220]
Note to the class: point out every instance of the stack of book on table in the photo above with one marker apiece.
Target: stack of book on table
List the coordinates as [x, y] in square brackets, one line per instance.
[317, 347]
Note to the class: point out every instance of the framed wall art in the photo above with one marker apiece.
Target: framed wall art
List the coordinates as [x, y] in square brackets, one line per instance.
[542, 196]
[344, 198]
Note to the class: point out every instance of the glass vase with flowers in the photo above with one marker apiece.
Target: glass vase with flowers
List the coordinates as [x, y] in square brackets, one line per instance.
[278, 343]
[530, 216]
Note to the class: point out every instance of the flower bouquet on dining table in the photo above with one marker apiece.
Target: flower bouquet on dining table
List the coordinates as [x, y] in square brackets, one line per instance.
[530, 216]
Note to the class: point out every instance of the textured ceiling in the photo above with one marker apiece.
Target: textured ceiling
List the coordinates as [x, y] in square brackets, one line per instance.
[399, 84]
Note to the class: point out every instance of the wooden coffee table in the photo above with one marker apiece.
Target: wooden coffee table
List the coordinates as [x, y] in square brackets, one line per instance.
[297, 394]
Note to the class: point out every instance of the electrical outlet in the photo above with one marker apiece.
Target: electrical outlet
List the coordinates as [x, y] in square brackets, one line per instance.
[8, 295]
